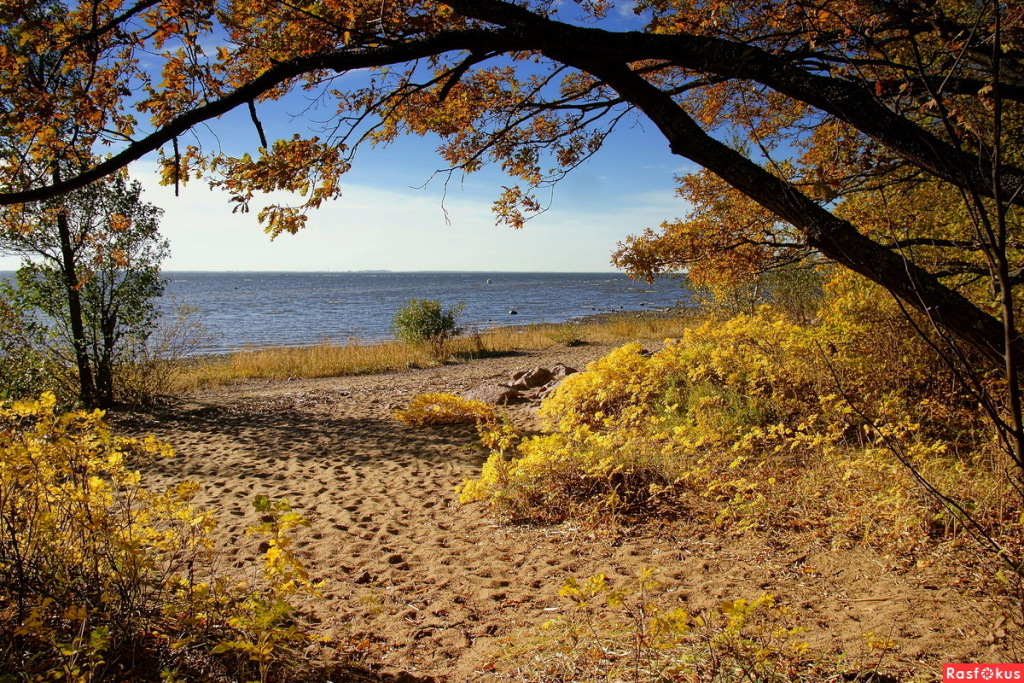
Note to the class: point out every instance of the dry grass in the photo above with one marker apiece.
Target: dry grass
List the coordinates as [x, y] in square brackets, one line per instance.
[332, 360]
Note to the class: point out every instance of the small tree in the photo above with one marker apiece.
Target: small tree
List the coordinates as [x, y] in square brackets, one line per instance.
[92, 269]
[425, 321]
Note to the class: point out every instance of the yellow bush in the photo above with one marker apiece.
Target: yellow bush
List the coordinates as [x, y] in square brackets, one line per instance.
[747, 414]
[104, 578]
[616, 390]
[764, 362]
[555, 475]
[432, 409]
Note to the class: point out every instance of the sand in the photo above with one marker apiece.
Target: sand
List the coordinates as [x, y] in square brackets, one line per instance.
[428, 589]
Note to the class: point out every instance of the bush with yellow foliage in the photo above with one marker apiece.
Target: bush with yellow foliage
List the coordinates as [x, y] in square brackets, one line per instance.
[761, 422]
[105, 578]
[441, 408]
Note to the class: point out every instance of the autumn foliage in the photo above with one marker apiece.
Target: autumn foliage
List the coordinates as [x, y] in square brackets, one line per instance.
[840, 138]
[105, 578]
[440, 408]
[759, 423]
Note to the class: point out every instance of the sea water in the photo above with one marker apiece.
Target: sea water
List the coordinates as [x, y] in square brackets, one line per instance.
[246, 309]
[293, 309]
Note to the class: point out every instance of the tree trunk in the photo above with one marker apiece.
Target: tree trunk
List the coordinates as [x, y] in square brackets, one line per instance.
[105, 365]
[86, 380]
[833, 237]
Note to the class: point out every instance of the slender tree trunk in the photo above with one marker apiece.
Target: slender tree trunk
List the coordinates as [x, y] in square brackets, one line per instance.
[105, 366]
[1010, 333]
[86, 381]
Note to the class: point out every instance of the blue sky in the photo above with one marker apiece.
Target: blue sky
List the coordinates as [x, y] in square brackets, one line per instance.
[387, 218]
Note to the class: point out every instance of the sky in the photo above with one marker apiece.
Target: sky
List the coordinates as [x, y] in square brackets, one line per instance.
[388, 220]
[391, 218]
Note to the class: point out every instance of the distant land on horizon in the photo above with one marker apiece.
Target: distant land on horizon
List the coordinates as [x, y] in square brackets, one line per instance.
[414, 272]
[396, 272]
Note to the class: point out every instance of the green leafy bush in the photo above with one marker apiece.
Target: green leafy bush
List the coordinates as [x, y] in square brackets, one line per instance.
[426, 321]
[568, 334]
[90, 281]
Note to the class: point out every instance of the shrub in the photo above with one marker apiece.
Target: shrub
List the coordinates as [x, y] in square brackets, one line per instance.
[432, 409]
[554, 476]
[795, 289]
[739, 418]
[153, 365]
[568, 334]
[637, 631]
[103, 578]
[98, 292]
[425, 321]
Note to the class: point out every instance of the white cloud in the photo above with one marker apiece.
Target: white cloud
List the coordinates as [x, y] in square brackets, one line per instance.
[395, 227]
[403, 229]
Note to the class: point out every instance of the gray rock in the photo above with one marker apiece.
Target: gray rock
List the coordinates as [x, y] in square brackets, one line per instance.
[493, 394]
[561, 371]
[531, 379]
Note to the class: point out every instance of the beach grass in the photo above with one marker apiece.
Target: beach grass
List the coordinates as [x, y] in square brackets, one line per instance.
[329, 359]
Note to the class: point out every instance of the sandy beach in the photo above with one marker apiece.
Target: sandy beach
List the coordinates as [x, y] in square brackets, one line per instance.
[431, 590]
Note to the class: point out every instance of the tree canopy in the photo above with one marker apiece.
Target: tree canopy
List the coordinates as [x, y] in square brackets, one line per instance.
[810, 116]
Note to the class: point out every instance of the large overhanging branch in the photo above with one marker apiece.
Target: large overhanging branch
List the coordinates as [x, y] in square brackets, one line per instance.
[835, 238]
[524, 30]
[849, 102]
[339, 61]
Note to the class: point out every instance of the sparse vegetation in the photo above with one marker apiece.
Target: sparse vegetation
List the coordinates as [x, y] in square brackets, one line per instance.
[354, 358]
[633, 632]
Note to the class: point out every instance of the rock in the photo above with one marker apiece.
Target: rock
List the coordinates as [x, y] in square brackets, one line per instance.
[493, 394]
[531, 379]
[549, 387]
[561, 371]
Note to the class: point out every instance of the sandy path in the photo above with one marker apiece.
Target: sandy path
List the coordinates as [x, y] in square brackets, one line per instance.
[432, 588]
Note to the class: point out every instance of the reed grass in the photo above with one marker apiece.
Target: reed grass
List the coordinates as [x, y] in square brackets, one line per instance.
[329, 359]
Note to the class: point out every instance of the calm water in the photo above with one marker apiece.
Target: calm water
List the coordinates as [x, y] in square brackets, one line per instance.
[293, 309]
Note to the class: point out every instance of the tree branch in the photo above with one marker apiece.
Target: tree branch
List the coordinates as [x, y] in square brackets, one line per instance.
[833, 237]
[472, 40]
[847, 101]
